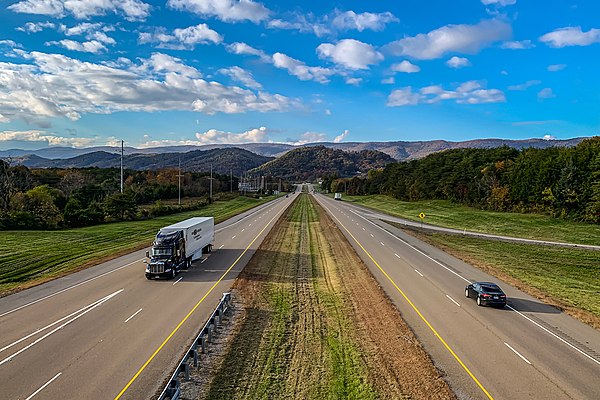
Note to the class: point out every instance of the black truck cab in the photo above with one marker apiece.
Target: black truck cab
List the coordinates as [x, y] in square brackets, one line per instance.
[167, 255]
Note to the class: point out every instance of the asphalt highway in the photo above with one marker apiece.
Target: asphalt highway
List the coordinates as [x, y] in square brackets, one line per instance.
[527, 350]
[107, 332]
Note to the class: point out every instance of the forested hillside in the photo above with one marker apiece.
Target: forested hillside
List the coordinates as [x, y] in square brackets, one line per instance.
[564, 182]
[309, 163]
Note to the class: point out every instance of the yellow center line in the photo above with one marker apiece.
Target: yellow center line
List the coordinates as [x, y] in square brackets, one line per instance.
[418, 312]
[192, 310]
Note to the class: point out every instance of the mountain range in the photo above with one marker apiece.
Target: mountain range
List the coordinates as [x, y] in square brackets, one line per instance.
[399, 150]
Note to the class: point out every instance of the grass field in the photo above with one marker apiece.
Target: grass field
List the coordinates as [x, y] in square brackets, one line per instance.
[28, 258]
[451, 215]
[564, 277]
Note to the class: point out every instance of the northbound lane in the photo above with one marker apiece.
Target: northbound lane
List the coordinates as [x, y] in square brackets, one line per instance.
[528, 350]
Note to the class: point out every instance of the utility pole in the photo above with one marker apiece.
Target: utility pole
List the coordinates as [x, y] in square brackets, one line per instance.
[179, 181]
[210, 197]
[121, 166]
[231, 181]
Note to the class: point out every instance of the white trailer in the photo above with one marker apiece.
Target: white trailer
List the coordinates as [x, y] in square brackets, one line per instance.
[198, 233]
[337, 196]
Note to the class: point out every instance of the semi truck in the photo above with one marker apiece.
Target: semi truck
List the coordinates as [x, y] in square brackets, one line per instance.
[176, 246]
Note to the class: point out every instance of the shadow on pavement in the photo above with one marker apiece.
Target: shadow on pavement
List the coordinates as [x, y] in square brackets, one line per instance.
[524, 305]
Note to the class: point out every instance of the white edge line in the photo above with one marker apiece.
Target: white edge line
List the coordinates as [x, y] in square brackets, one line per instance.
[417, 271]
[68, 288]
[555, 335]
[44, 386]
[517, 353]
[134, 314]
[175, 283]
[9, 358]
[49, 326]
[452, 300]
[466, 280]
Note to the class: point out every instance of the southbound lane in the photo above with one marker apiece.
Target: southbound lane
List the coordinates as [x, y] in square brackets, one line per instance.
[107, 332]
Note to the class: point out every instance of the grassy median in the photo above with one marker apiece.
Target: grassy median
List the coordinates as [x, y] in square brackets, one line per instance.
[308, 329]
[28, 258]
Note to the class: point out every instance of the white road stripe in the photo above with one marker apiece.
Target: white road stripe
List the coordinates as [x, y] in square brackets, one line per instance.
[417, 271]
[44, 386]
[382, 243]
[371, 235]
[50, 325]
[221, 246]
[451, 299]
[233, 237]
[68, 288]
[134, 314]
[60, 327]
[517, 353]
[175, 283]
[468, 281]
[396, 255]
[243, 229]
[204, 259]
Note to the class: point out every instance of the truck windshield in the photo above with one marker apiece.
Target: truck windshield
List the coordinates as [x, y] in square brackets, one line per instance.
[161, 252]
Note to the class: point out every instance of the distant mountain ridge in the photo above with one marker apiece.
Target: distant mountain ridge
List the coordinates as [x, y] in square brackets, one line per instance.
[309, 163]
[399, 150]
[223, 161]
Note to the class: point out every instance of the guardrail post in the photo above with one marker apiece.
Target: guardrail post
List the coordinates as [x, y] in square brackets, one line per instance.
[186, 371]
[203, 344]
[209, 333]
[195, 354]
[220, 315]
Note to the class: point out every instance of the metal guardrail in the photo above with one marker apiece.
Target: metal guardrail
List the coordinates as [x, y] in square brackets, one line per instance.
[172, 390]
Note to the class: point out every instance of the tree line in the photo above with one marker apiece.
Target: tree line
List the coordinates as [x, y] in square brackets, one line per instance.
[561, 181]
[56, 198]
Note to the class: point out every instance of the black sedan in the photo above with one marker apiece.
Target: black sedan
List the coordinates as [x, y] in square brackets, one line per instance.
[486, 294]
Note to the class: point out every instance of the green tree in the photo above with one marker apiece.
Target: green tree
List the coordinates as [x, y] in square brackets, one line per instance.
[120, 206]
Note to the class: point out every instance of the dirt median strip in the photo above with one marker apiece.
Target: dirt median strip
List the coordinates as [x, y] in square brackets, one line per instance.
[312, 323]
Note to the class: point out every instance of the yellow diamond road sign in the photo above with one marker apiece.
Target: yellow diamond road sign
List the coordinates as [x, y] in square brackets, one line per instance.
[422, 215]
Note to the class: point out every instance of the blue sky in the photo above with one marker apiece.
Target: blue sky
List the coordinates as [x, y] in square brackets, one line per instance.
[92, 72]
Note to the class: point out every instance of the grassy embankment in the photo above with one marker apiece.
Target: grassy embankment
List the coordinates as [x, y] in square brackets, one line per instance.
[565, 277]
[309, 330]
[28, 258]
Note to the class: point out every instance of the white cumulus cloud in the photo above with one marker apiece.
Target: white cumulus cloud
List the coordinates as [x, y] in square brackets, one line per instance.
[350, 53]
[571, 36]
[470, 92]
[181, 38]
[93, 46]
[499, 2]
[310, 137]
[451, 38]
[350, 20]
[300, 70]
[546, 93]
[517, 45]
[225, 10]
[524, 86]
[340, 138]
[458, 62]
[244, 48]
[214, 136]
[241, 75]
[48, 138]
[406, 67]
[53, 85]
[132, 10]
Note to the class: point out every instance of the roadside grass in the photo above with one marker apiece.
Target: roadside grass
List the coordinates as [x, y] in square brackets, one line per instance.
[565, 277]
[451, 215]
[28, 258]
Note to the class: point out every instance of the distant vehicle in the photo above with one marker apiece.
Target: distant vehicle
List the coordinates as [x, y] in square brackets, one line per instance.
[177, 245]
[337, 196]
[287, 195]
[486, 294]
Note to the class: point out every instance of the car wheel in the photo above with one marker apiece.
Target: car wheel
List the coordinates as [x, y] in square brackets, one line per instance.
[467, 293]
[479, 301]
